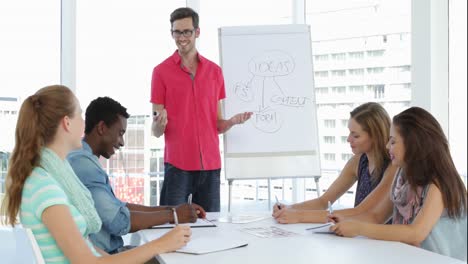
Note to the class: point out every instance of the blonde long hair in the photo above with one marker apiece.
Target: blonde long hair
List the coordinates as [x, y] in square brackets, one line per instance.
[37, 124]
[374, 120]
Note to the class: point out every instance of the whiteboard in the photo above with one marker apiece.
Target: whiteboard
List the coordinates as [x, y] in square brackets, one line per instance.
[268, 71]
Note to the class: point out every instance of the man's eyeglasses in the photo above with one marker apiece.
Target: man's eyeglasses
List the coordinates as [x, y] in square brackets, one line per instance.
[186, 33]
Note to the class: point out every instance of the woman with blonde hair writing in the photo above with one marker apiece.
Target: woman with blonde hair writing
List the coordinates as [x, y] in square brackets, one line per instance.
[370, 167]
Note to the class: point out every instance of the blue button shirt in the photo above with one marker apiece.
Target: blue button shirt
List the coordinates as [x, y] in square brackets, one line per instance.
[114, 213]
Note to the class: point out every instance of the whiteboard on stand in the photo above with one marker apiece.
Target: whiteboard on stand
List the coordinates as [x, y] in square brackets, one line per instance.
[268, 71]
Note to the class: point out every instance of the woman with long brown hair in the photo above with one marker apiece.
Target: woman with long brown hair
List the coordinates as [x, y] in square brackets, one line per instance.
[369, 125]
[43, 189]
[428, 198]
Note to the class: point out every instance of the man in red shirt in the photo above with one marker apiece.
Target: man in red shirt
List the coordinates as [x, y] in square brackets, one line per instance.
[186, 91]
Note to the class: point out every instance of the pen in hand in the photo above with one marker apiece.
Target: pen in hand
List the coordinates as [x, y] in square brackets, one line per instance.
[189, 202]
[277, 202]
[331, 218]
[189, 199]
[174, 213]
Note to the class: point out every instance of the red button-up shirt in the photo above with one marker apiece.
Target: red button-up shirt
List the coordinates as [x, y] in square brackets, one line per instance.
[191, 135]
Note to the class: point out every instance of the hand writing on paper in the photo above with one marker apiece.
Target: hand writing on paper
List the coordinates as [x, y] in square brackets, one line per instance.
[277, 207]
[199, 210]
[335, 218]
[347, 228]
[178, 237]
[186, 213]
[287, 215]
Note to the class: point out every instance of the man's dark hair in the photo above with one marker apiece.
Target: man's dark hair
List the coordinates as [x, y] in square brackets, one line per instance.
[184, 12]
[103, 109]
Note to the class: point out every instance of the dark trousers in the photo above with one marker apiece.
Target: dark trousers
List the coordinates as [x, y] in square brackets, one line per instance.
[203, 185]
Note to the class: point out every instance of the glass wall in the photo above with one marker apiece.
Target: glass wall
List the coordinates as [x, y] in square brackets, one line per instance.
[361, 52]
[458, 85]
[29, 60]
[118, 43]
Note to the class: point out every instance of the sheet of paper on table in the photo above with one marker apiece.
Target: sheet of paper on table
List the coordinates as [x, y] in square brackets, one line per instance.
[268, 232]
[242, 219]
[321, 229]
[204, 245]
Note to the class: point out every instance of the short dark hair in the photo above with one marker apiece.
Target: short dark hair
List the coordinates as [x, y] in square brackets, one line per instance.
[184, 12]
[103, 109]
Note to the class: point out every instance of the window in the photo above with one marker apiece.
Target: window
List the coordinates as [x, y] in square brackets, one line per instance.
[329, 123]
[321, 90]
[30, 46]
[339, 90]
[346, 106]
[323, 57]
[344, 139]
[339, 56]
[357, 89]
[405, 68]
[132, 30]
[358, 55]
[346, 156]
[329, 156]
[329, 139]
[137, 35]
[379, 91]
[457, 85]
[357, 72]
[375, 53]
[338, 73]
[31, 40]
[375, 70]
[344, 122]
[321, 74]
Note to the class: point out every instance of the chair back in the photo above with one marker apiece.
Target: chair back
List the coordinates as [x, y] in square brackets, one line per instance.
[18, 246]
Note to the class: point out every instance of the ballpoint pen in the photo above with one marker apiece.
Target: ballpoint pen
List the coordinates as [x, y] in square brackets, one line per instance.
[189, 199]
[176, 220]
[330, 209]
[277, 202]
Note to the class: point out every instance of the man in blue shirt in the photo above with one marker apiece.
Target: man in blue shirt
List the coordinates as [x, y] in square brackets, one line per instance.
[105, 125]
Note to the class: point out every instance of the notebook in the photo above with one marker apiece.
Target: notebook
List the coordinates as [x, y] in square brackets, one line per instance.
[201, 222]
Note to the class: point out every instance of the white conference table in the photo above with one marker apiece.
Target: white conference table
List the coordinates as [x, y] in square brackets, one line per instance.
[306, 247]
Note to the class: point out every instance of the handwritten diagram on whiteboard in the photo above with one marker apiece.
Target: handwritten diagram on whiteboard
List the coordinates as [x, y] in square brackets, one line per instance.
[271, 75]
[264, 90]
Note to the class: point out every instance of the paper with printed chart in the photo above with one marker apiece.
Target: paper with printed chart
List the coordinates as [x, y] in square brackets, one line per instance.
[268, 232]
